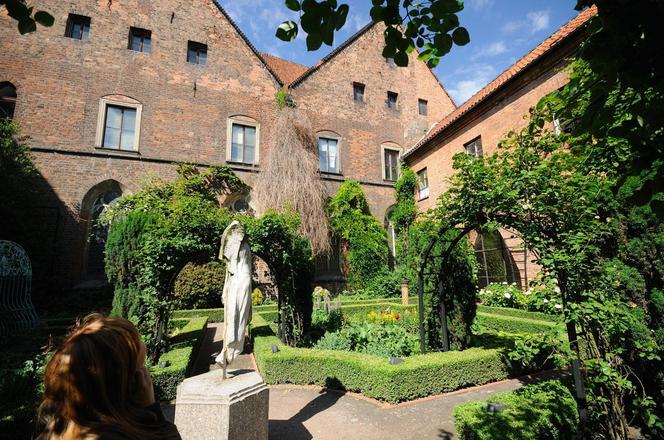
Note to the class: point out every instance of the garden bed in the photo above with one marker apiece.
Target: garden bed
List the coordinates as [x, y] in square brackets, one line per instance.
[181, 357]
[374, 376]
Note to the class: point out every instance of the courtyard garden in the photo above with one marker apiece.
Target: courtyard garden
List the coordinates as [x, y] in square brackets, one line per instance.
[587, 201]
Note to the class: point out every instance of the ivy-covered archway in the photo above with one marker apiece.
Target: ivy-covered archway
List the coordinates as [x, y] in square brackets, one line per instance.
[157, 230]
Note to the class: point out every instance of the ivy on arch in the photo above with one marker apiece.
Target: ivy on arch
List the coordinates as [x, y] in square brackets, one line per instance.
[158, 229]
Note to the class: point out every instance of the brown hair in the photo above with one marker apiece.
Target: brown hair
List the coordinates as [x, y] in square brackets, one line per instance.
[90, 384]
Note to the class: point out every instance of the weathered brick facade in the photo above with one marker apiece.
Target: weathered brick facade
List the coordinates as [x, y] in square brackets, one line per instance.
[185, 108]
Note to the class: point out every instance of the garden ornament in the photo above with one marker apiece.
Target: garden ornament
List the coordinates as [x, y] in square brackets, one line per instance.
[236, 253]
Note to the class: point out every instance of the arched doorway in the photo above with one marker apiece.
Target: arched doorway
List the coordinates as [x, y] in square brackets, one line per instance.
[7, 100]
[95, 202]
[495, 261]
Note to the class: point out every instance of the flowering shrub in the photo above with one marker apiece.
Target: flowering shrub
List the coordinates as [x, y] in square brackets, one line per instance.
[541, 297]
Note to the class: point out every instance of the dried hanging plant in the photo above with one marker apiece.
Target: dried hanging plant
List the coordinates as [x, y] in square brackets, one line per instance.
[290, 178]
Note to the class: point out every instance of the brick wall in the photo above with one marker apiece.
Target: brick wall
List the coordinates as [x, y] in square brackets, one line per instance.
[327, 96]
[185, 108]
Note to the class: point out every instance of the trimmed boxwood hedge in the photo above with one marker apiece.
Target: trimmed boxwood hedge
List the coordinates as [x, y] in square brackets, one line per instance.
[516, 313]
[373, 376]
[492, 323]
[545, 411]
[181, 357]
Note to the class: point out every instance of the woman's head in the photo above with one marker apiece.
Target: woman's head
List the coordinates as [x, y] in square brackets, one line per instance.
[91, 379]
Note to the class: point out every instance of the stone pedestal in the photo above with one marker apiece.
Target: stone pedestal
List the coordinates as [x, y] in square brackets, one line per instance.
[209, 408]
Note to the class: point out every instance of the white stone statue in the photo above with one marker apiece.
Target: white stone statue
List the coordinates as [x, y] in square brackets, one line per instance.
[236, 253]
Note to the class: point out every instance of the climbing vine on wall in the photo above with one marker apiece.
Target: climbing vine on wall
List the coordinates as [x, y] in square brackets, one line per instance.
[364, 240]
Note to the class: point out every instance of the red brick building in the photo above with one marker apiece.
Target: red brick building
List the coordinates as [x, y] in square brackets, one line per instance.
[479, 124]
[115, 92]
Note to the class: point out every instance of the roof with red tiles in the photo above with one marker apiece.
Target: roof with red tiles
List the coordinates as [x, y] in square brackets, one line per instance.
[566, 31]
[287, 71]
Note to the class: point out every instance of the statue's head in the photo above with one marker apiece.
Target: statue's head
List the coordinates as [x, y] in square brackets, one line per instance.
[236, 228]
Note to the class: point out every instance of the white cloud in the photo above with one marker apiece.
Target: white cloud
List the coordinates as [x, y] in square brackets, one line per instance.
[490, 50]
[535, 21]
[538, 21]
[480, 5]
[473, 78]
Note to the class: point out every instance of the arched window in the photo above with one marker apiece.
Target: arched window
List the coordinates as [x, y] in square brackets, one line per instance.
[495, 261]
[7, 100]
[95, 202]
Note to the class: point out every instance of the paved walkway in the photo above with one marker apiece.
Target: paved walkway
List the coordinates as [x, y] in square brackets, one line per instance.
[309, 412]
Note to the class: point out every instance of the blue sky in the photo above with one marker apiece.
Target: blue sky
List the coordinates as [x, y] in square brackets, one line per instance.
[500, 31]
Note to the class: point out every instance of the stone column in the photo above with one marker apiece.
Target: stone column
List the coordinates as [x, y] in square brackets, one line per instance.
[404, 292]
[209, 408]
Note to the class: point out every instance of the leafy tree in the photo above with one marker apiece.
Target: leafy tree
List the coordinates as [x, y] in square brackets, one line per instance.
[430, 25]
[22, 13]
[18, 175]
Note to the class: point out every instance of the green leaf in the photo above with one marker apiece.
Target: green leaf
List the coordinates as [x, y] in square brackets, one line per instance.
[460, 36]
[342, 14]
[310, 22]
[44, 18]
[401, 59]
[287, 31]
[293, 5]
[377, 13]
[389, 51]
[314, 42]
[26, 26]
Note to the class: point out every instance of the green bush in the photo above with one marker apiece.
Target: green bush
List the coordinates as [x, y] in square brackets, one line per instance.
[495, 323]
[386, 283]
[22, 365]
[373, 376]
[213, 315]
[257, 297]
[199, 285]
[364, 240]
[516, 313]
[539, 412]
[324, 321]
[334, 341]
[372, 338]
[180, 359]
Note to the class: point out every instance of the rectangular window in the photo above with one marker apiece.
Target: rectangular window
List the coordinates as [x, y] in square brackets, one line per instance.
[139, 39]
[78, 27]
[422, 106]
[243, 145]
[119, 128]
[391, 163]
[422, 184]
[196, 52]
[474, 147]
[358, 92]
[328, 154]
[392, 100]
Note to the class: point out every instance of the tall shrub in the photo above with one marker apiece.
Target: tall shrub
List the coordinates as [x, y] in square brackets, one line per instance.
[364, 240]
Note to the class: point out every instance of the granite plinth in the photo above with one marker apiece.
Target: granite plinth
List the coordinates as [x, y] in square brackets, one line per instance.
[211, 408]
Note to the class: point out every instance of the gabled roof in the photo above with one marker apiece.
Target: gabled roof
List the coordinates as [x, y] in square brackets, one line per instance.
[566, 31]
[287, 71]
[248, 43]
[340, 49]
[332, 54]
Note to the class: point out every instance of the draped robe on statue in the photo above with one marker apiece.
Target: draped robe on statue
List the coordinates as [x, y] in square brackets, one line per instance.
[236, 253]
